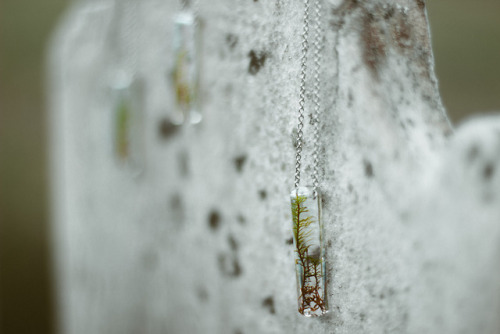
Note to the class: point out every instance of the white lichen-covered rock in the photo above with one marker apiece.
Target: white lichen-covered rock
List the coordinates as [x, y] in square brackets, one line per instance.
[199, 242]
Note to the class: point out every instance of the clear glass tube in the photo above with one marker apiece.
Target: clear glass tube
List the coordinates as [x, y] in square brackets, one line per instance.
[128, 123]
[309, 251]
[186, 67]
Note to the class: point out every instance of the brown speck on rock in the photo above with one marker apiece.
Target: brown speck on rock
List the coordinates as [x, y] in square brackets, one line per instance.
[373, 43]
[262, 194]
[269, 304]
[239, 162]
[368, 168]
[214, 220]
[488, 171]
[402, 34]
[167, 129]
[257, 60]
[389, 13]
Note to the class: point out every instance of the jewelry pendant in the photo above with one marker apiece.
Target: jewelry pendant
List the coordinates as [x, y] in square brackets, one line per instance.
[128, 123]
[185, 69]
[309, 251]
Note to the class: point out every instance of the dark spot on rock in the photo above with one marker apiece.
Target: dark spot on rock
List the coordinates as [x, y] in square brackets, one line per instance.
[473, 153]
[214, 220]
[329, 243]
[183, 161]
[294, 136]
[373, 43]
[176, 209]
[239, 162]
[350, 188]
[389, 13]
[229, 265]
[238, 331]
[167, 129]
[262, 194]
[241, 219]
[368, 168]
[233, 244]
[421, 4]
[257, 60]
[362, 316]
[202, 294]
[269, 304]
[350, 99]
[289, 241]
[231, 40]
[488, 171]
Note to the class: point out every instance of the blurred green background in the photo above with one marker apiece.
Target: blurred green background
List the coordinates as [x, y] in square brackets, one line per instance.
[466, 39]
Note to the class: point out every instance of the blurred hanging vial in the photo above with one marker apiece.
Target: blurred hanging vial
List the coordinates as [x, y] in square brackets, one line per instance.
[186, 67]
[128, 122]
[309, 251]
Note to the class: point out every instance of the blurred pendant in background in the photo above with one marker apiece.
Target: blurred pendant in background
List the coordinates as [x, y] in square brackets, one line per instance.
[128, 123]
[185, 68]
[309, 251]
[127, 106]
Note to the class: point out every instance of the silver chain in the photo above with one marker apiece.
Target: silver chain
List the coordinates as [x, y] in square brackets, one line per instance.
[316, 95]
[318, 42]
[302, 93]
[130, 37]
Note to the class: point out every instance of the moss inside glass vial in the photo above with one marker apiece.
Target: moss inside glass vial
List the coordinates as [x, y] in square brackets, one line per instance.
[309, 251]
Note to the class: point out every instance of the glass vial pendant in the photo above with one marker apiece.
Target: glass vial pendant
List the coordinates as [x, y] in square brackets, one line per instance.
[186, 67]
[128, 124]
[309, 251]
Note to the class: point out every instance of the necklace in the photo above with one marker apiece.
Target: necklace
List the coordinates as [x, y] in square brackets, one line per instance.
[310, 265]
[186, 65]
[128, 116]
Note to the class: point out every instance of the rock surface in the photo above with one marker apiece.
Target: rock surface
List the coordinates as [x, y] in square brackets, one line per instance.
[199, 241]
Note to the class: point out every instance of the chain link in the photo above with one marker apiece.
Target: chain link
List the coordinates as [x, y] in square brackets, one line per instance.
[316, 95]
